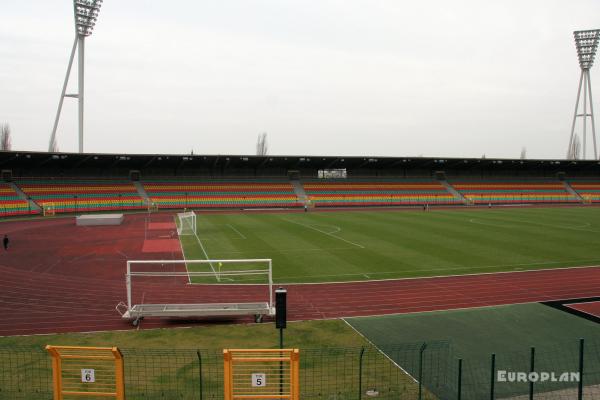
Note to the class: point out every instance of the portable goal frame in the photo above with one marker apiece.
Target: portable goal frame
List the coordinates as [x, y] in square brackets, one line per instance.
[137, 312]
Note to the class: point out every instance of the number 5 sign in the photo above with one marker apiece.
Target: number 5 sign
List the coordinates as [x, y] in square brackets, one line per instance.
[259, 380]
[88, 376]
[245, 374]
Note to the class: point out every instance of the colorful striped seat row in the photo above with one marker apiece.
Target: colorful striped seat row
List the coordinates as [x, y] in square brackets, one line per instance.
[507, 192]
[203, 187]
[83, 195]
[385, 192]
[588, 190]
[11, 204]
[222, 194]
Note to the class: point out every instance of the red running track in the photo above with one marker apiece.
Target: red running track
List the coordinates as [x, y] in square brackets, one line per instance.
[591, 308]
[58, 277]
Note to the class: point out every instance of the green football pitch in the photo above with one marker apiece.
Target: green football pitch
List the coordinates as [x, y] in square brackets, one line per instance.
[384, 244]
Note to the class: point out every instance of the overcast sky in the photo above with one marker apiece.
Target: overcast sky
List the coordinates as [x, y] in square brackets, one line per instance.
[327, 77]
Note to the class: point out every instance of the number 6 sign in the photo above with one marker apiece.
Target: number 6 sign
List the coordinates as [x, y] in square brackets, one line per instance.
[259, 380]
[88, 376]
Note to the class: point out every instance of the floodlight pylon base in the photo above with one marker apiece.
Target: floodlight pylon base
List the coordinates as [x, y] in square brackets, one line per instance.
[78, 44]
[585, 83]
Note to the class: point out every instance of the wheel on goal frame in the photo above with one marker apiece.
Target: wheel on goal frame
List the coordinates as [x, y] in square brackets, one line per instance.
[258, 318]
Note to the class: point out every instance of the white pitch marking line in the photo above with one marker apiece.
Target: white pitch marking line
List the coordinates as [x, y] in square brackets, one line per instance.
[336, 229]
[211, 266]
[236, 231]
[325, 233]
[449, 268]
[206, 255]
[262, 251]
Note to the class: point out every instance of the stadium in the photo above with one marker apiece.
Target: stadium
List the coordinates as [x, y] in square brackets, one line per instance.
[259, 276]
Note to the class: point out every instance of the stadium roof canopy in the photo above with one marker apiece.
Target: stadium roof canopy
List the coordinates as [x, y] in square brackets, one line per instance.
[23, 160]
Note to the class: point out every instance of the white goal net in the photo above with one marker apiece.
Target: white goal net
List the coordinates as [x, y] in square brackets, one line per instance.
[198, 288]
[186, 223]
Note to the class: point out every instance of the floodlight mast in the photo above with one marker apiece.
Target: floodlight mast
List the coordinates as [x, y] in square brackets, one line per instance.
[586, 43]
[86, 14]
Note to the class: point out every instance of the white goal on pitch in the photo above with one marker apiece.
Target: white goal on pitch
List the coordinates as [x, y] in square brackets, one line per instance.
[165, 289]
[186, 223]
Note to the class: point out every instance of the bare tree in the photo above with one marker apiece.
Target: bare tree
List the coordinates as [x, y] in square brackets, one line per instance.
[523, 153]
[5, 140]
[261, 144]
[574, 152]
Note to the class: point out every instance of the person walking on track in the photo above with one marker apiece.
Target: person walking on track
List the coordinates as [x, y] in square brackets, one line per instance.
[5, 242]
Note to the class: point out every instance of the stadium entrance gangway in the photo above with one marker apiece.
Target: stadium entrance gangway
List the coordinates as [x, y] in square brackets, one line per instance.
[137, 312]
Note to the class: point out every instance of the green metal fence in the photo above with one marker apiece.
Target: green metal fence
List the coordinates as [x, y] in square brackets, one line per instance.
[411, 371]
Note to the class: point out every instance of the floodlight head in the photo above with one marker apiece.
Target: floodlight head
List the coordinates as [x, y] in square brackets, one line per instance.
[86, 14]
[587, 44]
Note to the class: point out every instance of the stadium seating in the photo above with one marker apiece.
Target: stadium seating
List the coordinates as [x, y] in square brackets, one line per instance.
[79, 195]
[507, 192]
[11, 204]
[207, 193]
[376, 192]
[588, 190]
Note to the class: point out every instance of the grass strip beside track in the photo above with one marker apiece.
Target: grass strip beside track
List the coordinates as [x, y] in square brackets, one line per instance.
[162, 363]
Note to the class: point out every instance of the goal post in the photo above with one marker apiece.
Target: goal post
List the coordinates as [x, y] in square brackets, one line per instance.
[186, 223]
[152, 207]
[48, 209]
[198, 288]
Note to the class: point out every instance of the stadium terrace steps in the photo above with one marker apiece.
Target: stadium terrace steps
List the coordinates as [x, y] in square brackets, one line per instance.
[457, 195]
[299, 190]
[377, 192]
[142, 192]
[569, 189]
[12, 202]
[82, 195]
[514, 192]
[588, 190]
[32, 204]
[230, 193]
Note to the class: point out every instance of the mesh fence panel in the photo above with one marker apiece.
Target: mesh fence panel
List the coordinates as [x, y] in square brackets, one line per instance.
[161, 374]
[591, 375]
[391, 372]
[25, 373]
